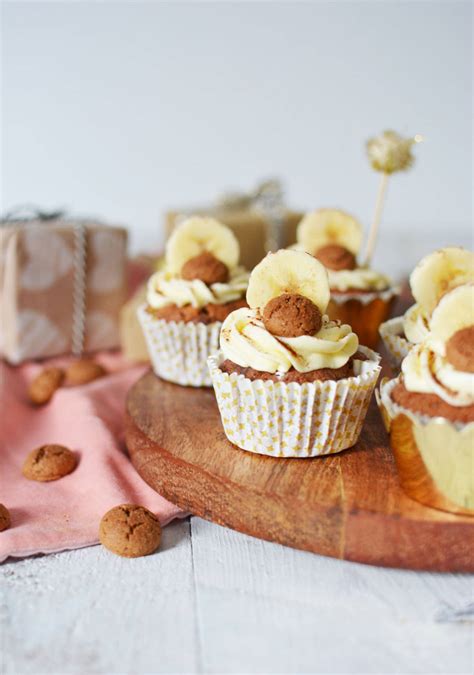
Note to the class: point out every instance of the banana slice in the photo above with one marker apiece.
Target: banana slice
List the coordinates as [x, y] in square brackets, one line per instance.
[454, 312]
[196, 235]
[329, 226]
[440, 272]
[288, 272]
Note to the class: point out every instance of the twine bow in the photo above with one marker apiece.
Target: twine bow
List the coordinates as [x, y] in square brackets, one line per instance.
[28, 213]
[268, 199]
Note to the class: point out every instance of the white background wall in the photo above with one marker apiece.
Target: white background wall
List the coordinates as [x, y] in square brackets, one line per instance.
[122, 109]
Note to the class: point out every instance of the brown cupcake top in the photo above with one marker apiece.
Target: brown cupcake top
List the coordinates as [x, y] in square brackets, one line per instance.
[431, 405]
[189, 314]
[320, 375]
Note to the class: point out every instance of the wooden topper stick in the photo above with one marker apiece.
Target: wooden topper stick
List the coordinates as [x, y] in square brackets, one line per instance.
[389, 152]
[374, 228]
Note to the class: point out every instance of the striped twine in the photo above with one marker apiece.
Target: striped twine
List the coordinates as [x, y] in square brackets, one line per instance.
[270, 202]
[79, 292]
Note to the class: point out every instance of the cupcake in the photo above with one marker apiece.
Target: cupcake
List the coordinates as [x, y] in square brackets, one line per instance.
[187, 301]
[429, 408]
[290, 382]
[435, 274]
[360, 296]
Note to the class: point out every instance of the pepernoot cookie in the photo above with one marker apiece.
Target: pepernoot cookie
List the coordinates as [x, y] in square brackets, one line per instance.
[84, 371]
[291, 315]
[43, 386]
[336, 257]
[5, 520]
[207, 268]
[130, 531]
[460, 350]
[49, 462]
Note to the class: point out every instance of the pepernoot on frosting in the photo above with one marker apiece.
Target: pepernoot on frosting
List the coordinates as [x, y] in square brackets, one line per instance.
[334, 237]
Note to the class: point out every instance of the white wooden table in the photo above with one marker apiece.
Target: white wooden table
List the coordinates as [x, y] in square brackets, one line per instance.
[215, 601]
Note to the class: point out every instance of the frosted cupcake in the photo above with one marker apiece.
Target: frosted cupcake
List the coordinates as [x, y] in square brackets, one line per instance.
[435, 275]
[360, 296]
[188, 300]
[429, 408]
[289, 382]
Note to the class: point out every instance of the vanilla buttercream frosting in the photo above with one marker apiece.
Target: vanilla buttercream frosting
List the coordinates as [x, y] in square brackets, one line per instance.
[166, 289]
[426, 371]
[361, 278]
[245, 341]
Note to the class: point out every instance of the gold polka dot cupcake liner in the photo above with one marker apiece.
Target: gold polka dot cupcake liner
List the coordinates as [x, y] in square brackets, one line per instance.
[287, 419]
[434, 456]
[179, 351]
[394, 339]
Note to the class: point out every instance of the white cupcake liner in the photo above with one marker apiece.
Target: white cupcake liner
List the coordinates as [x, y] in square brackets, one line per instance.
[287, 419]
[179, 351]
[396, 344]
[365, 298]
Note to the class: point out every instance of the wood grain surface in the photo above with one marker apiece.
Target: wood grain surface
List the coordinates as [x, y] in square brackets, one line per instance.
[346, 506]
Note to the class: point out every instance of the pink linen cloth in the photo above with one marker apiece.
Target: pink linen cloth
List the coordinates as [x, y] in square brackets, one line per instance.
[88, 419]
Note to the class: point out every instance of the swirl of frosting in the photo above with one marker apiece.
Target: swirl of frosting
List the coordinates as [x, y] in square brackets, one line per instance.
[415, 324]
[245, 341]
[165, 289]
[426, 371]
[361, 278]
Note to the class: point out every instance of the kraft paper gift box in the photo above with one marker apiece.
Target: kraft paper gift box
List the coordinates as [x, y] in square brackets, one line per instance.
[249, 226]
[259, 219]
[62, 284]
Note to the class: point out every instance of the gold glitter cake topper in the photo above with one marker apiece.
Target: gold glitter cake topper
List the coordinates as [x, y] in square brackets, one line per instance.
[388, 153]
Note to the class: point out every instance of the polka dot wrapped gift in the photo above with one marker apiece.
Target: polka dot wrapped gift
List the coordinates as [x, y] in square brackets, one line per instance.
[63, 282]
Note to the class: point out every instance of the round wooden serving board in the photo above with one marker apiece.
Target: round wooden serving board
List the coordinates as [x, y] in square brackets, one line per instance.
[347, 506]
